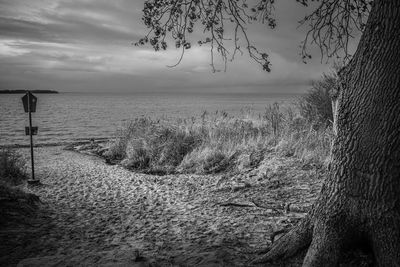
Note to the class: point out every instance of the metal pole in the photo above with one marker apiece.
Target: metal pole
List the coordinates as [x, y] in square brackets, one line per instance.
[30, 134]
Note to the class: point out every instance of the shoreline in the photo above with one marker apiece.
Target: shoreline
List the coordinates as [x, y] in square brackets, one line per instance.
[12, 92]
[80, 141]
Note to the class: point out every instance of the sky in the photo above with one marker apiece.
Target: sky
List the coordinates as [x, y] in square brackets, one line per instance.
[86, 46]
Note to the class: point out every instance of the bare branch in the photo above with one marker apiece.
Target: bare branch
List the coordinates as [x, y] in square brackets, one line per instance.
[330, 25]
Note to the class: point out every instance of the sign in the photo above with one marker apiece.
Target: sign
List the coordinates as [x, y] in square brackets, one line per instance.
[29, 101]
[34, 130]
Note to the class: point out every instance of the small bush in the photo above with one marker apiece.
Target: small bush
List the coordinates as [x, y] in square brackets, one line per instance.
[316, 105]
[12, 167]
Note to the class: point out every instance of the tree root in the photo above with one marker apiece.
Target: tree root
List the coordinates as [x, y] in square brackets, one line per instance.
[325, 247]
[330, 239]
[298, 239]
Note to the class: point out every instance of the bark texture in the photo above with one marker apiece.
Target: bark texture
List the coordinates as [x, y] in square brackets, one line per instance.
[359, 203]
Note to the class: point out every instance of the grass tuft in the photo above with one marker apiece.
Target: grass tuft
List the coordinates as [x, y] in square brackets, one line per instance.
[12, 167]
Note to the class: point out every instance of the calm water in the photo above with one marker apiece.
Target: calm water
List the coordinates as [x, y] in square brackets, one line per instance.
[70, 116]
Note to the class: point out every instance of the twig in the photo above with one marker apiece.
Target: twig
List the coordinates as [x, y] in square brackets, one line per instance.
[236, 205]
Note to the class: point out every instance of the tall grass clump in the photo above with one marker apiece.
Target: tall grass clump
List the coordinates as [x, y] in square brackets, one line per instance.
[309, 144]
[223, 139]
[12, 167]
[153, 146]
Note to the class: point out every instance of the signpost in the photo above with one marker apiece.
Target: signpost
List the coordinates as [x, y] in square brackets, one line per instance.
[29, 101]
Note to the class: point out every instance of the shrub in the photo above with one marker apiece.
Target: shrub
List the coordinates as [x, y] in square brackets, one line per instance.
[316, 105]
[12, 167]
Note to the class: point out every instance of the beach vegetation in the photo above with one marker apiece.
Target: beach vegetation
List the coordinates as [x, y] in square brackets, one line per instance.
[12, 167]
[17, 206]
[316, 105]
[217, 142]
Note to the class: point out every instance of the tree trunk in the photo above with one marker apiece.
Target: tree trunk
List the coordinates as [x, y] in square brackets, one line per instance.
[359, 203]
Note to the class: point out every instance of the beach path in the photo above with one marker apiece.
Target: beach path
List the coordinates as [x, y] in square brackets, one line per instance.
[99, 214]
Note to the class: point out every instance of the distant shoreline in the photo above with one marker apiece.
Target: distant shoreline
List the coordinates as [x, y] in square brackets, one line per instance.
[24, 91]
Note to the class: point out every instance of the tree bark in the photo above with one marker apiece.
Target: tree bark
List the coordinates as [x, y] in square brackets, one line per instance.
[360, 199]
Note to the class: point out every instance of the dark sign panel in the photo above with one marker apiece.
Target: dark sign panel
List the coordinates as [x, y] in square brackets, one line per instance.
[29, 101]
[34, 130]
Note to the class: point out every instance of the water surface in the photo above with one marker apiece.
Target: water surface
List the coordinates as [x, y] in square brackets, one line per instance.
[66, 117]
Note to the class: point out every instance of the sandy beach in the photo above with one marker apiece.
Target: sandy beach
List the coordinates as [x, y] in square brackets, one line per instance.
[97, 214]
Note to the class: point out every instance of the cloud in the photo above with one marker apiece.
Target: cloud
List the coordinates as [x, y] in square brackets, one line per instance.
[23, 29]
[8, 50]
[87, 45]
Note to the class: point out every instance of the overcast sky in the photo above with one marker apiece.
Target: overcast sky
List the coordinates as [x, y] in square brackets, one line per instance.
[86, 45]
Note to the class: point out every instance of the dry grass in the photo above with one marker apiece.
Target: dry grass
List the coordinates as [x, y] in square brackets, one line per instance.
[16, 205]
[218, 142]
[12, 167]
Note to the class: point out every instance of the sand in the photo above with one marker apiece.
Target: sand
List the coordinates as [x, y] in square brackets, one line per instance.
[104, 215]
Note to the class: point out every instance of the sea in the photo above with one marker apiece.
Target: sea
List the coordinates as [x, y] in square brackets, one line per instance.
[69, 117]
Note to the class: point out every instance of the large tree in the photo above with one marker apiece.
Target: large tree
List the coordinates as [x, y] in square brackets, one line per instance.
[359, 204]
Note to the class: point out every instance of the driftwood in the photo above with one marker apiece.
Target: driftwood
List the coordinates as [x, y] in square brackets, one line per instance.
[286, 208]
